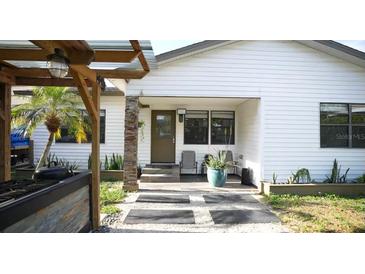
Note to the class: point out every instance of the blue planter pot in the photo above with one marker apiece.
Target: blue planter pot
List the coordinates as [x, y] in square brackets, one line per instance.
[217, 177]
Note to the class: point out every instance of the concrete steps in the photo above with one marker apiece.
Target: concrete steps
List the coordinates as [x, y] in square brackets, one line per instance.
[160, 173]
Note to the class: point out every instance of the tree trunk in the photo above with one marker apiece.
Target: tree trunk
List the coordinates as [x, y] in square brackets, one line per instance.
[45, 151]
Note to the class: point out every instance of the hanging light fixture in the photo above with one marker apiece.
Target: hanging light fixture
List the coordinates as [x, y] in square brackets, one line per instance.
[57, 64]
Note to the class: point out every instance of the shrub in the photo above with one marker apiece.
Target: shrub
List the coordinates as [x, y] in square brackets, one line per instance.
[360, 179]
[301, 176]
[115, 162]
[336, 177]
[53, 160]
[274, 178]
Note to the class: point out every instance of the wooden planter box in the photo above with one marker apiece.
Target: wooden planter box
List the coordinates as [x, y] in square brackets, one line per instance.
[312, 189]
[62, 207]
[111, 175]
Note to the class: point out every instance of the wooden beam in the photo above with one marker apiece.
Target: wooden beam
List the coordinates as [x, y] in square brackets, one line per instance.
[23, 54]
[2, 114]
[115, 56]
[105, 73]
[95, 156]
[118, 56]
[121, 74]
[6, 77]
[85, 71]
[53, 82]
[5, 151]
[142, 59]
[84, 93]
[77, 51]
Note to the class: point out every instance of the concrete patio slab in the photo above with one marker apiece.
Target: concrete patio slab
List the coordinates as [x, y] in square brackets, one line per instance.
[145, 217]
[243, 216]
[151, 216]
[228, 198]
[175, 199]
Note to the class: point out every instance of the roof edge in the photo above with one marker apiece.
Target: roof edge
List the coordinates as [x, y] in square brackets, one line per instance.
[189, 50]
[328, 46]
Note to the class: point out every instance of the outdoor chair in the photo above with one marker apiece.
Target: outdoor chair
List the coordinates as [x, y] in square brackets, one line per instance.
[204, 163]
[229, 158]
[188, 161]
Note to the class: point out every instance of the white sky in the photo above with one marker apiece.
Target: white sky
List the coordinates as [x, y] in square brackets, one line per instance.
[161, 46]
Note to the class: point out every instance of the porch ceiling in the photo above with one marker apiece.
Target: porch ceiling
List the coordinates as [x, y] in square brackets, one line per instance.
[192, 101]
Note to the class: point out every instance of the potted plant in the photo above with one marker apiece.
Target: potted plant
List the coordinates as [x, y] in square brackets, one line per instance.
[217, 167]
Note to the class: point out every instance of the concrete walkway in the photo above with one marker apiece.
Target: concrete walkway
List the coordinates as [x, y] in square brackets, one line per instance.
[195, 207]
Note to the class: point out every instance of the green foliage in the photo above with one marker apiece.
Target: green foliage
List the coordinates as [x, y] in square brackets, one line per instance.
[50, 106]
[115, 162]
[111, 194]
[54, 107]
[274, 178]
[360, 179]
[336, 177]
[109, 209]
[301, 176]
[219, 161]
[53, 160]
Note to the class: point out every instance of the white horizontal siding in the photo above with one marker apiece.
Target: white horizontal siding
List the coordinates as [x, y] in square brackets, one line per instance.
[291, 79]
[114, 136]
[248, 141]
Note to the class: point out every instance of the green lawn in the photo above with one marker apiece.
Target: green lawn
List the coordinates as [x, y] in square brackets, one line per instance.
[328, 213]
[111, 193]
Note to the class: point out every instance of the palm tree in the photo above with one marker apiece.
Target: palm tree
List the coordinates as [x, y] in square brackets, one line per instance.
[52, 106]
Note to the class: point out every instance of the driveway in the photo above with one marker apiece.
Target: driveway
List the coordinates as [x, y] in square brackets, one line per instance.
[194, 207]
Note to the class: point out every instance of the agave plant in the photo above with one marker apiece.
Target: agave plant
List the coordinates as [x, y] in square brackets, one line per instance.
[51, 106]
[336, 177]
[219, 161]
[115, 162]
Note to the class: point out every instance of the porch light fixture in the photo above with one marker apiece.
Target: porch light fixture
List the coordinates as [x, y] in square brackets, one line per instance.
[181, 112]
[57, 64]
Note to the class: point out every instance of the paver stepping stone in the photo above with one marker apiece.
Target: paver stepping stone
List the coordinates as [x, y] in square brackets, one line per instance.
[155, 216]
[243, 216]
[176, 199]
[228, 198]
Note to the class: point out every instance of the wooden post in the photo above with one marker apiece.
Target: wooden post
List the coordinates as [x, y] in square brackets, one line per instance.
[95, 156]
[5, 119]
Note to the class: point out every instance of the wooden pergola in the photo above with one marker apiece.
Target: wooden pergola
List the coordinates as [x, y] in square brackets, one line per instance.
[81, 75]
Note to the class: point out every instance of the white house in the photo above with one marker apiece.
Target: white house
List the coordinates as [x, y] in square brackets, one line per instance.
[287, 105]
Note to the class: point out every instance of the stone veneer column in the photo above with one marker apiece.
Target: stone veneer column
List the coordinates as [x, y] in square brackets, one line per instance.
[131, 143]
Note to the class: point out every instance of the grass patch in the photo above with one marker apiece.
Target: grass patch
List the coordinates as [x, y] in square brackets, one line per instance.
[327, 213]
[111, 193]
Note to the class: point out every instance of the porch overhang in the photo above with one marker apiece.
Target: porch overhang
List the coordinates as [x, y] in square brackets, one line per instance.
[24, 63]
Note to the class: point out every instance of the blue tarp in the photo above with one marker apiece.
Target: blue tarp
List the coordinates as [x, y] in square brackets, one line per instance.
[18, 139]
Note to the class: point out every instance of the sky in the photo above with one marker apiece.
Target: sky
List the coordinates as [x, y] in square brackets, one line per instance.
[161, 46]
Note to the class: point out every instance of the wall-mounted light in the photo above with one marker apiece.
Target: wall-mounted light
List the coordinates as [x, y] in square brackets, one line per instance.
[181, 112]
[57, 64]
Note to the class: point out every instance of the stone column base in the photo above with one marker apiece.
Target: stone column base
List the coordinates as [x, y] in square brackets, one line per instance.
[131, 187]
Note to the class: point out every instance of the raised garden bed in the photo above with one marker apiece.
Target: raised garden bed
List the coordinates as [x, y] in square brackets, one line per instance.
[313, 189]
[111, 175]
[65, 206]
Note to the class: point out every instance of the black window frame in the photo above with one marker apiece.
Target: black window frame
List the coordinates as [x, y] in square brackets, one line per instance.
[232, 142]
[208, 125]
[102, 134]
[349, 124]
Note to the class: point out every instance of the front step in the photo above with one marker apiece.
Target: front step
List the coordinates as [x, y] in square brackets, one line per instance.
[160, 173]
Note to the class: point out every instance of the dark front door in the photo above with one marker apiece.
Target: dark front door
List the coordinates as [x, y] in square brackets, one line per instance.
[163, 136]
